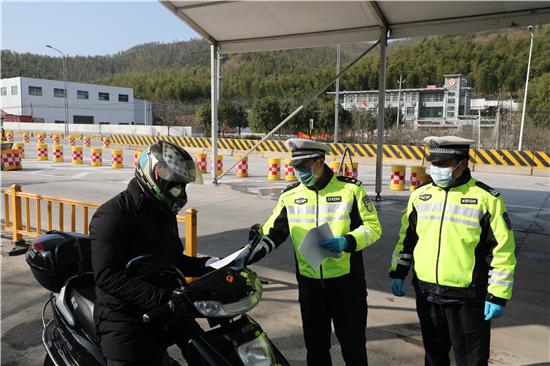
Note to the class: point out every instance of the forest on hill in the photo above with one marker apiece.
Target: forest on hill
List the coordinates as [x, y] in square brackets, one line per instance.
[179, 73]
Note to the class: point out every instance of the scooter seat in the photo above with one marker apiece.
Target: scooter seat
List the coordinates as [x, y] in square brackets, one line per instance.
[82, 301]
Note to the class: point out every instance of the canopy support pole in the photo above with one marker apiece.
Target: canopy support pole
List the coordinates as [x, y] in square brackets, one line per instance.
[214, 109]
[381, 101]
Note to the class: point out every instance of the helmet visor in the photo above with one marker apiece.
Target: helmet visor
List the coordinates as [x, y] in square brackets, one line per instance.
[177, 167]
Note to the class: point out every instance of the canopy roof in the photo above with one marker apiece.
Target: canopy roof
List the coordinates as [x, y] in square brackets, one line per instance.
[249, 26]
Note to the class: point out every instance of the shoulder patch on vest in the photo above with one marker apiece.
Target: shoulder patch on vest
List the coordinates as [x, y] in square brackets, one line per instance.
[349, 180]
[290, 186]
[507, 221]
[485, 187]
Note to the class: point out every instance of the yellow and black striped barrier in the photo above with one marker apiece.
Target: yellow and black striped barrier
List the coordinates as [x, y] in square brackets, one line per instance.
[536, 159]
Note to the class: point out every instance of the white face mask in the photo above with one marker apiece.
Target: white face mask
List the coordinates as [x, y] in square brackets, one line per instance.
[443, 177]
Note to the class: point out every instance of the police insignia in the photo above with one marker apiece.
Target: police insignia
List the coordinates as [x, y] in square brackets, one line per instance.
[468, 201]
[334, 199]
[507, 221]
[300, 201]
[368, 203]
[425, 197]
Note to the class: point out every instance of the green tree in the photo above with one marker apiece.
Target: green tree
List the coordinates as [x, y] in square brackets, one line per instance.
[204, 117]
[265, 114]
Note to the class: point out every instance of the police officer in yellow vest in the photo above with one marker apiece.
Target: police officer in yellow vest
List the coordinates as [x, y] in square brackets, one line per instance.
[337, 290]
[457, 237]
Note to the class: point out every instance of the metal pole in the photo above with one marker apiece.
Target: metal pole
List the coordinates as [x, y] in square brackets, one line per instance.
[381, 101]
[526, 85]
[214, 108]
[479, 127]
[399, 98]
[337, 99]
[65, 91]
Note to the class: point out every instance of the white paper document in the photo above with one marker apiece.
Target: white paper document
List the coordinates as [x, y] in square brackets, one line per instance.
[230, 258]
[310, 249]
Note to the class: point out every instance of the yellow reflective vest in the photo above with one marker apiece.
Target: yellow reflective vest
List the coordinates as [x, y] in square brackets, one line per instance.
[345, 206]
[459, 241]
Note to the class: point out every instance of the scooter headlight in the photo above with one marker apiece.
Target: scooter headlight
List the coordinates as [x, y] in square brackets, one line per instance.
[214, 309]
[257, 352]
[210, 309]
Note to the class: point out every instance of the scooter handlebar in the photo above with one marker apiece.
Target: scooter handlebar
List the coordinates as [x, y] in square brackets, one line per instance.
[158, 312]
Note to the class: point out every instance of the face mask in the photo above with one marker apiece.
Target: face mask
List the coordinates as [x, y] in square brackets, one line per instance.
[175, 191]
[305, 175]
[442, 176]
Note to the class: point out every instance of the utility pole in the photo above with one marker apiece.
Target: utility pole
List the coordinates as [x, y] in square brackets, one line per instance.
[337, 99]
[399, 98]
[526, 85]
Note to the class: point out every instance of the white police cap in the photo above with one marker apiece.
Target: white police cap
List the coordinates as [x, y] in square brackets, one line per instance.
[303, 150]
[443, 148]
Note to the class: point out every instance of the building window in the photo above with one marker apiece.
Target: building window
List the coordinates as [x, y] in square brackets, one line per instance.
[450, 111]
[394, 97]
[59, 122]
[14, 90]
[103, 96]
[3, 91]
[388, 97]
[60, 93]
[426, 112]
[123, 97]
[104, 123]
[451, 98]
[35, 90]
[461, 110]
[82, 94]
[410, 111]
[432, 97]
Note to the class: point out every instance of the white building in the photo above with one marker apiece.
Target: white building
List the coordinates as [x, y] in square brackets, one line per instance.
[87, 103]
[422, 106]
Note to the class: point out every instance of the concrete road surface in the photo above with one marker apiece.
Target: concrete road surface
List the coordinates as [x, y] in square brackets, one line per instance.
[226, 211]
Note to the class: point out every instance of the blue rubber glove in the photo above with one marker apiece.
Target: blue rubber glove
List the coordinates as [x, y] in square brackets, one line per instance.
[336, 245]
[493, 310]
[397, 287]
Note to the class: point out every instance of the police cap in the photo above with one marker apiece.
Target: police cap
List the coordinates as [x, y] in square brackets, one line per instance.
[303, 150]
[445, 148]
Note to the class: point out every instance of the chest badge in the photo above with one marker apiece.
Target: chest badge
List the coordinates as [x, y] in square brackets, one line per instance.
[334, 199]
[300, 201]
[468, 201]
[425, 197]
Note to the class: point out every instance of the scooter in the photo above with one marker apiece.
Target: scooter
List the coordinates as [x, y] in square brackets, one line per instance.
[61, 262]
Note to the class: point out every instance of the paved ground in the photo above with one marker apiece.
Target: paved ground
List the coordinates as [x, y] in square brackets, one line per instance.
[227, 210]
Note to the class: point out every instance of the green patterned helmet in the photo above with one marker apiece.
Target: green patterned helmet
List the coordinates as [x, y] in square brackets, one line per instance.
[164, 170]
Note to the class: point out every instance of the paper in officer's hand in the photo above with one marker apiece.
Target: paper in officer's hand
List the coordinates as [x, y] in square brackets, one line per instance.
[230, 258]
[312, 251]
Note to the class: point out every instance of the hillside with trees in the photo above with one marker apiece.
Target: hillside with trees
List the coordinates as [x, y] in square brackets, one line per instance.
[176, 76]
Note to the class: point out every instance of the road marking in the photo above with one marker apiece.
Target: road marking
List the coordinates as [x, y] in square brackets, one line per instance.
[80, 175]
[533, 208]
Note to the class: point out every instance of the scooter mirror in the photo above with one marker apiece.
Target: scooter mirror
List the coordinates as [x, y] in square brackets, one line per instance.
[255, 235]
[150, 265]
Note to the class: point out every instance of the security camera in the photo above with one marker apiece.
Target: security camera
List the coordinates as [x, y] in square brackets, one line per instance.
[530, 28]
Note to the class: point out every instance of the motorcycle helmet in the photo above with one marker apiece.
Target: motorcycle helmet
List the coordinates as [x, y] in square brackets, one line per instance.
[163, 171]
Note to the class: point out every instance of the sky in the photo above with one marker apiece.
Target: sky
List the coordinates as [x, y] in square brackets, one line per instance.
[87, 27]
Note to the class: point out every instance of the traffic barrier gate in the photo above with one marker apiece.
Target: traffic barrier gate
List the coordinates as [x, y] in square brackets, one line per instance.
[77, 154]
[274, 169]
[201, 162]
[415, 170]
[116, 159]
[289, 171]
[21, 147]
[42, 152]
[96, 156]
[11, 159]
[242, 167]
[57, 153]
[398, 177]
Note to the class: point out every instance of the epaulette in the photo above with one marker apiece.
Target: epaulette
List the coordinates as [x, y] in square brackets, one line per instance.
[485, 187]
[349, 180]
[290, 186]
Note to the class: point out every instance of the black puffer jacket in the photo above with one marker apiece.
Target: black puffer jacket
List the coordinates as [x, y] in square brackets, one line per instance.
[127, 226]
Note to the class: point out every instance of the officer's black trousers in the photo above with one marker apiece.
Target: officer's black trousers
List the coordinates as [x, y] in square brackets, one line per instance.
[461, 326]
[346, 306]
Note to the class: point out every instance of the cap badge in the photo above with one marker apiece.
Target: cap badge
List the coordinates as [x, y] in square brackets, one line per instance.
[433, 143]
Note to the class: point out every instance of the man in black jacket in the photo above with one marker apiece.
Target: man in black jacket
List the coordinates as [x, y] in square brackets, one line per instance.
[142, 220]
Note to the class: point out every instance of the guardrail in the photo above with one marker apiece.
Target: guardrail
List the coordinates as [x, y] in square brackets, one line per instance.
[13, 218]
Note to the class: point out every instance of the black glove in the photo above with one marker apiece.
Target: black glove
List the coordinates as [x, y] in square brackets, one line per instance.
[257, 254]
